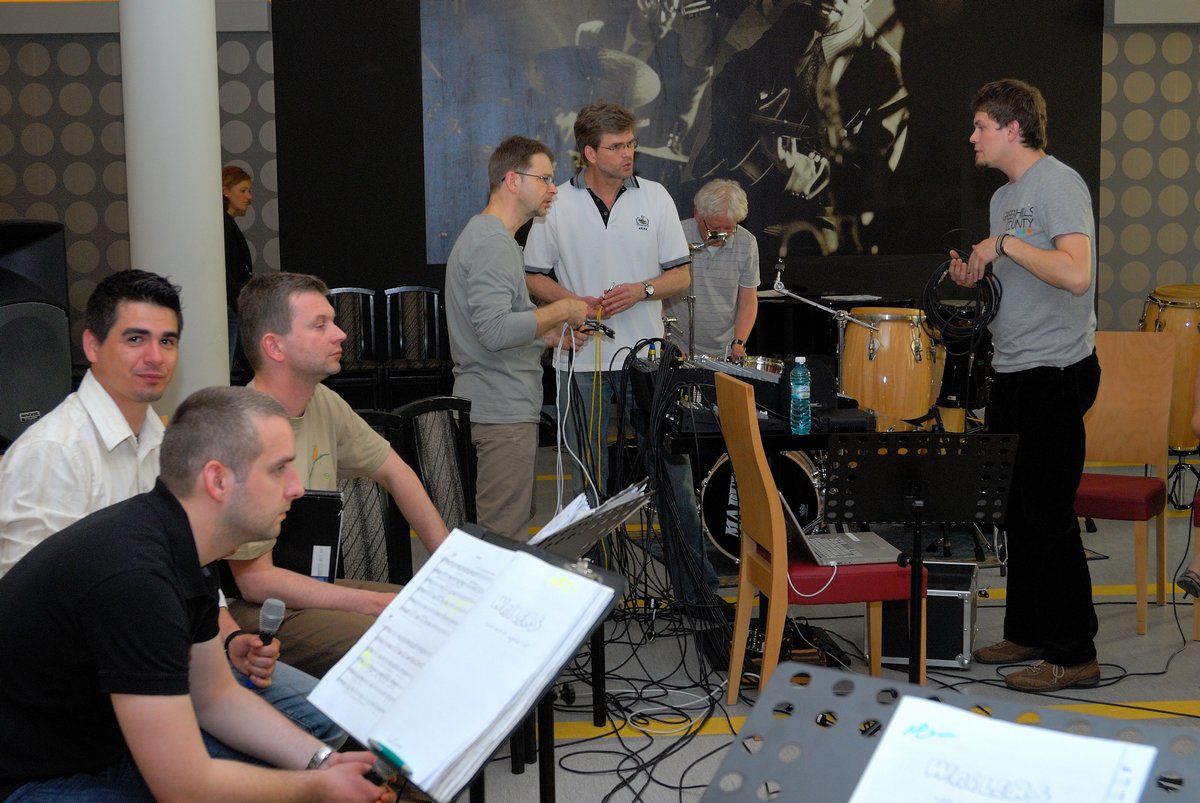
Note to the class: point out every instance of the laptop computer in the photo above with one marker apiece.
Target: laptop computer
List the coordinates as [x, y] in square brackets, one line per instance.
[838, 549]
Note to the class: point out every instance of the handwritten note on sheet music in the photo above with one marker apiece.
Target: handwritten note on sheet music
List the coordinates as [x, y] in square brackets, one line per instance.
[935, 753]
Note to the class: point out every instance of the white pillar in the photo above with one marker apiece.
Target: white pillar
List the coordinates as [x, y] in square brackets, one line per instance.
[173, 168]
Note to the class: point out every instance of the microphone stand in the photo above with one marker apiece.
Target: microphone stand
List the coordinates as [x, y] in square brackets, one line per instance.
[669, 326]
[714, 237]
[841, 316]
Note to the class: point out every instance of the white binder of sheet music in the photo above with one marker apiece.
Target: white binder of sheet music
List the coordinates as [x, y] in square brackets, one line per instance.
[459, 657]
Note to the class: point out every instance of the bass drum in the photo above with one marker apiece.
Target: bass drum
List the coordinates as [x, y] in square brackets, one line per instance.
[796, 478]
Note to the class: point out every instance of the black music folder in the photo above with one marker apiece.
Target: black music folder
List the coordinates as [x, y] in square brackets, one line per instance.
[310, 538]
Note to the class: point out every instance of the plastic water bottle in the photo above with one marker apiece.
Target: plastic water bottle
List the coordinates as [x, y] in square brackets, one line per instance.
[801, 413]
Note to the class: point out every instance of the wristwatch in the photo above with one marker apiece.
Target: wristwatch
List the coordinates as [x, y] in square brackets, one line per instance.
[737, 341]
[320, 757]
[649, 289]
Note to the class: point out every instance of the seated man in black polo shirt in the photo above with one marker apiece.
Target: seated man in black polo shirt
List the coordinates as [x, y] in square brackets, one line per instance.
[115, 664]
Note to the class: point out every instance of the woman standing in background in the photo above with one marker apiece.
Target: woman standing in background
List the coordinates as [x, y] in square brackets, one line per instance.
[239, 266]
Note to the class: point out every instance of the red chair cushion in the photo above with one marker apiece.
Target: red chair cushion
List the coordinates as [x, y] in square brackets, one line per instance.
[864, 583]
[1123, 498]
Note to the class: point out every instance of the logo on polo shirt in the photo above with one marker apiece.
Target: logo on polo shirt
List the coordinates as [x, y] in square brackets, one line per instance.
[643, 222]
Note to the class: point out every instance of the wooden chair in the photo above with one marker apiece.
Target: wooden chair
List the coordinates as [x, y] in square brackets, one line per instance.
[765, 566]
[1129, 424]
[417, 363]
[376, 539]
[436, 443]
[359, 381]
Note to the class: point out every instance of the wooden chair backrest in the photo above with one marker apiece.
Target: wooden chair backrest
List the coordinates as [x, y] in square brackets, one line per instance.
[758, 499]
[1130, 421]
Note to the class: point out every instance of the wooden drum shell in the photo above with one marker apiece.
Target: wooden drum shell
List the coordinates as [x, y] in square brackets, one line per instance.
[1176, 308]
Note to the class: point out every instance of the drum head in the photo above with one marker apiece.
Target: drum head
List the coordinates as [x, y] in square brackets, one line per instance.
[1184, 295]
[796, 479]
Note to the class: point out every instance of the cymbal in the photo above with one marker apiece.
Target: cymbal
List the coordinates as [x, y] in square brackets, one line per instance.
[573, 76]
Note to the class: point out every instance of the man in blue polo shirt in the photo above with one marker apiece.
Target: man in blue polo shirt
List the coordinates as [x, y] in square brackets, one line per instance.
[614, 241]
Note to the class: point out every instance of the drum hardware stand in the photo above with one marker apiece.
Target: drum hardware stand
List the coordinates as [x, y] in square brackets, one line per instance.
[838, 315]
[950, 399]
[714, 238]
[982, 547]
[669, 326]
[1176, 493]
[934, 415]
[1001, 541]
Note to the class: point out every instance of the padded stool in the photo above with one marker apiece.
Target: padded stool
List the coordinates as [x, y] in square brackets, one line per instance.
[1136, 499]
[872, 583]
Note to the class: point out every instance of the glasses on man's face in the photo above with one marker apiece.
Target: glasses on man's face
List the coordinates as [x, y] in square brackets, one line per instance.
[547, 180]
[620, 147]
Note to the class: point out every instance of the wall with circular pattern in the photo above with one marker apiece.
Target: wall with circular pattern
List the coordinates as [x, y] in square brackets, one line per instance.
[1149, 233]
[62, 146]
[62, 154]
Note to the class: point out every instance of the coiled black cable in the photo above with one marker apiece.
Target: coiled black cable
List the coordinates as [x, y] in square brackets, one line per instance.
[960, 326]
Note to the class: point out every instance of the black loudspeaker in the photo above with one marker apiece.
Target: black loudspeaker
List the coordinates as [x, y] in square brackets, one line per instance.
[35, 364]
[36, 251]
[35, 334]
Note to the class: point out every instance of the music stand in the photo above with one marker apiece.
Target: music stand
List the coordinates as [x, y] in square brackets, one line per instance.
[813, 731]
[917, 478]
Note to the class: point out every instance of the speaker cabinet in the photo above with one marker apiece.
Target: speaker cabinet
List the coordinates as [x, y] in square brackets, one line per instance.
[35, 333]
[35, 364]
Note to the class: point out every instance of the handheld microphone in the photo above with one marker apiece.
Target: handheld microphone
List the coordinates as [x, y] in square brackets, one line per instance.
[269, 619]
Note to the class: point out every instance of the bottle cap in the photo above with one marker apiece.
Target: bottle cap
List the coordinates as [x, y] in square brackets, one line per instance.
[799, 361]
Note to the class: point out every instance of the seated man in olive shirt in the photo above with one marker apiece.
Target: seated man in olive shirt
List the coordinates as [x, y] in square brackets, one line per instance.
[292, 342]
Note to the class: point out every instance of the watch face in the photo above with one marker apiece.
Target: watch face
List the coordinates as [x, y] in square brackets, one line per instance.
[649, 288]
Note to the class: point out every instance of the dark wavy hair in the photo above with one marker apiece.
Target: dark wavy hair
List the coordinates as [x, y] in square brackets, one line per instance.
[1009, 99]
[129, 285]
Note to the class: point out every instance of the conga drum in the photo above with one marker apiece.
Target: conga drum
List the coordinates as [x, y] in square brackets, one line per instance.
[895, 371]
[1176, 308]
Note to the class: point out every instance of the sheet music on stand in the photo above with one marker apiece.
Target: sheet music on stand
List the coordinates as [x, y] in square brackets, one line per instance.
[815, 733]
[413, 687]
[577, 526]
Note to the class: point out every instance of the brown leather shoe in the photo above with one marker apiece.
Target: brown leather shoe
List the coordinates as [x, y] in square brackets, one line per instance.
[1044, 676]
[1006, 652]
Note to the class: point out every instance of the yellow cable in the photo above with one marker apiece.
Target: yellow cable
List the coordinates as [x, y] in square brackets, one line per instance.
[597, 395]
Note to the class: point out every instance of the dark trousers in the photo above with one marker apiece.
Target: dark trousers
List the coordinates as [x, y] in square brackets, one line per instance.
[1049, 587]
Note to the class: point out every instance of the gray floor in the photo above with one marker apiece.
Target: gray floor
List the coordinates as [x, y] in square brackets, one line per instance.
[669, 728]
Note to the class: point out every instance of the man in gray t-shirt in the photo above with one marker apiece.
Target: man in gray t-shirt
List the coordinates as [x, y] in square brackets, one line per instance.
[1042, 252]
[725, 284]
[497, 334]
[724, 274]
